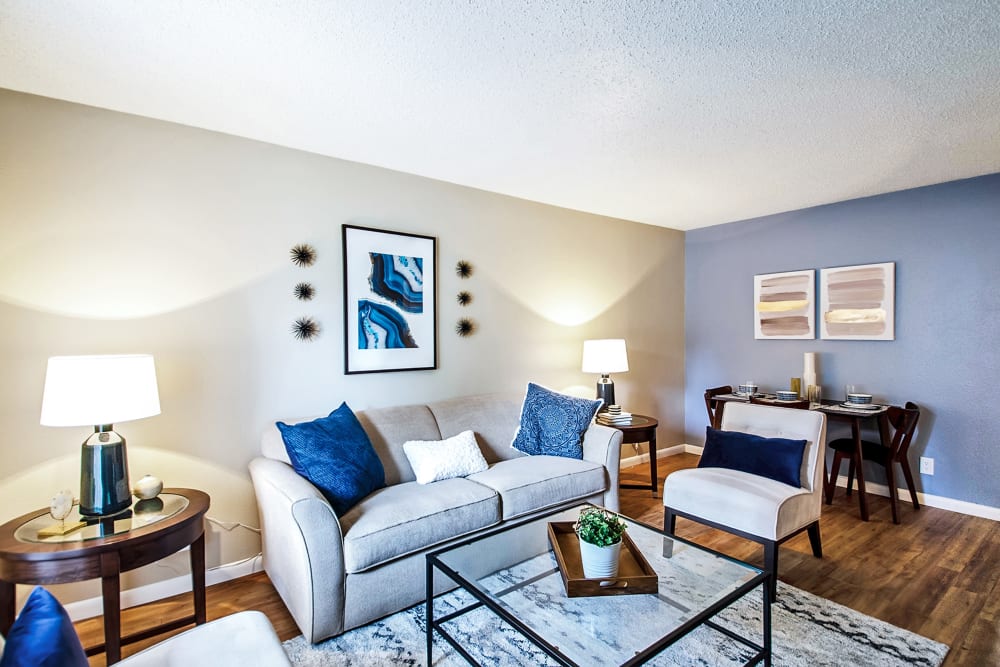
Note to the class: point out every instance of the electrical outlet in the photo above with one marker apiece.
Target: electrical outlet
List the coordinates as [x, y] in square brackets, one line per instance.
[926, 466]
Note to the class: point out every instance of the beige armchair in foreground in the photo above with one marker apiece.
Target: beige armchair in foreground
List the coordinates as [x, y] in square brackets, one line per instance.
[751, 506]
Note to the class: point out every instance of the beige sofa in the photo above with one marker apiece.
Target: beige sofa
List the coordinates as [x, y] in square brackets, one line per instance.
[335, 574]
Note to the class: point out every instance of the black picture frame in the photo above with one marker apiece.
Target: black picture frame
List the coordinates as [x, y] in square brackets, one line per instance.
[390, 301]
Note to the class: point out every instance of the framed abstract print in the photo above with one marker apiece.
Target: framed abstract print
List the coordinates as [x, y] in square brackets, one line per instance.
[390, 301]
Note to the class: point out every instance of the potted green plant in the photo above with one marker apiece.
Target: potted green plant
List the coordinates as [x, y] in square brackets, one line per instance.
[600, 533]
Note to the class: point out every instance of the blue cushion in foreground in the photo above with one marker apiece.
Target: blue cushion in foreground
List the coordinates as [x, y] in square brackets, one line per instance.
[553, 423]
[779, 459]
[335, 454]
[43, 636]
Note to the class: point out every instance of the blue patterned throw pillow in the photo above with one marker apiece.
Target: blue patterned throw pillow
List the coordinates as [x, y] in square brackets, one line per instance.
[335, 454]
[553, 423]
[43, 636]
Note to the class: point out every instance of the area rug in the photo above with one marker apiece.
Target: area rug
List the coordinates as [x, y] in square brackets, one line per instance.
[808, 631]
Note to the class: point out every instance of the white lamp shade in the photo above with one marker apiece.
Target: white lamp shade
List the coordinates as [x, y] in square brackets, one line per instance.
[605, 356]
[99, 389]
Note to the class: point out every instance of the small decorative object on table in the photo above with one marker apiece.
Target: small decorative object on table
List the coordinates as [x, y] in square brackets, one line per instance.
[61, 505]
[148, 487]
[600, 533]
[749, 388]
[809, 371]
[60, 508]
[786, 395]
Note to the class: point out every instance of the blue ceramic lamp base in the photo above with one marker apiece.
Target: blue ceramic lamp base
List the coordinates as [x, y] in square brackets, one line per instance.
[104, 487]
[606, 392]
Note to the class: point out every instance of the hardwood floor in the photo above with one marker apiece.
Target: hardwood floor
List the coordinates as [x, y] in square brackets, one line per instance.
[935, 574]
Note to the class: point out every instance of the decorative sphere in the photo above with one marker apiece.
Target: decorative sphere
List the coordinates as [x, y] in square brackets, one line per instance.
[61, 505]
[148, 487]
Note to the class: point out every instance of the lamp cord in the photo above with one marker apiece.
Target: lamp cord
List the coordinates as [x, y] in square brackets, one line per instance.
[230, 526]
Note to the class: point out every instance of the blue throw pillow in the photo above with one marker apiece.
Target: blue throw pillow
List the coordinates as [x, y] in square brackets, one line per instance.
[335, 454]
[553, 423]
[43, 636]
[779, 459]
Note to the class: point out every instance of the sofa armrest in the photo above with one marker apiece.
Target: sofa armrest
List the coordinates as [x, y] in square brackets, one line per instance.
[303, 547]
[603, 444]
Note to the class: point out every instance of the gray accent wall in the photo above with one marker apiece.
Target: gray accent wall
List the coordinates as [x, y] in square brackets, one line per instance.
[945, 241]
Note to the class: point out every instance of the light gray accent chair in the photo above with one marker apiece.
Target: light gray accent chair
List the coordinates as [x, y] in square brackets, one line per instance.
[337, 573]
[754, 507]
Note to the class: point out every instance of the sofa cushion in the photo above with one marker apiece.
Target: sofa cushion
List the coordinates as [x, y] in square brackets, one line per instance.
[747, 502]
[553, 423]
[334, 453]
[779, 459]
[405, 518]
[435, 460]
[43, 636]
[493, 418]
[390, 427]
[532, 483]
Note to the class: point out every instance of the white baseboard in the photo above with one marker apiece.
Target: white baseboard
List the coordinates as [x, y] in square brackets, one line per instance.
[163, 589]
[930, 500]
[637, 459]
[660, 454]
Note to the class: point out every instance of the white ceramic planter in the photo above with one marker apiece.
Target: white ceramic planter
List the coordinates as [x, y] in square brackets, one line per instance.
[600, 562]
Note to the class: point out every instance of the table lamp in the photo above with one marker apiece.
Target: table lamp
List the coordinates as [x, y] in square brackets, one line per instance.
[100, 391]
[605, 356]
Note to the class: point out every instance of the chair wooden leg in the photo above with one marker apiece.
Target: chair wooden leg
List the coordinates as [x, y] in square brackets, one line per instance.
[890, 479]
[908, 476]
[669, 521]
[771, 565]
[850, 476]
[815, 540]
[834, 474]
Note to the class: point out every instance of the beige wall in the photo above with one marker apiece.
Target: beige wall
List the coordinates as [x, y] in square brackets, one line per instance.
[125, 234]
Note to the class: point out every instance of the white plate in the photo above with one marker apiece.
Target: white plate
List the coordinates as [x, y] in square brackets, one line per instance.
[860, 406]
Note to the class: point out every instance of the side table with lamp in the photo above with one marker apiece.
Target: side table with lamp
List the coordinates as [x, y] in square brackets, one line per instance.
[607, 356]
[105, 534]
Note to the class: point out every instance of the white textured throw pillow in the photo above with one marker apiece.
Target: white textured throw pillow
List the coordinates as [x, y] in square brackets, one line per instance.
[434, 460]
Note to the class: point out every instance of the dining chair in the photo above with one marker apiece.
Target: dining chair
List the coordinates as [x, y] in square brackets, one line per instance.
[714, 407]
[903, 422]
[795, 405]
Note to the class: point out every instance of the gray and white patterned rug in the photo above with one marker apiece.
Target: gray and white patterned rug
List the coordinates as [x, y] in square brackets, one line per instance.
[808, 631]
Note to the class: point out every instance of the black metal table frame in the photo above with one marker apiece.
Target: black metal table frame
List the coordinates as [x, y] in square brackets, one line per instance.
[763, 653]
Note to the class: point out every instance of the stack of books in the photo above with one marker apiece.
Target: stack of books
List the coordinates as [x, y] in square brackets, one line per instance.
[614, 416]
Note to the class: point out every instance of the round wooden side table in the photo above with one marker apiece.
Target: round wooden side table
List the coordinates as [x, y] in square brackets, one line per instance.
[641, 429]
[150, 530]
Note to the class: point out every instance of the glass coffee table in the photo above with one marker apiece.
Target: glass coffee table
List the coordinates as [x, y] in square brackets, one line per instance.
[695, 584]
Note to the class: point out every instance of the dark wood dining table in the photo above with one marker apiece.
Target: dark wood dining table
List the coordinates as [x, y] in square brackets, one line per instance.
[856, 417]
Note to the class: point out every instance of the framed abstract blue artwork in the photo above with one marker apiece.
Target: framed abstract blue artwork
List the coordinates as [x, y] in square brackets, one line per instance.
[390, 301]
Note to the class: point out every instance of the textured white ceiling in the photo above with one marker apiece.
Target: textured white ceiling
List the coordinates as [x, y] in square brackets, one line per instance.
[680, 114]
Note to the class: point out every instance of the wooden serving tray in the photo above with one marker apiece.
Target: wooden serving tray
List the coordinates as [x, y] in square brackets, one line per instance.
[634, 573]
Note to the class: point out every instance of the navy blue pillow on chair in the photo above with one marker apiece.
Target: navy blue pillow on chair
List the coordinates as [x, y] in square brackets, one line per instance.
[335, 454]
[553, 423]
[779, 459]
[43, 636]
